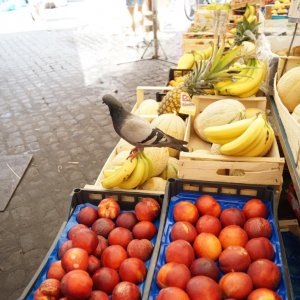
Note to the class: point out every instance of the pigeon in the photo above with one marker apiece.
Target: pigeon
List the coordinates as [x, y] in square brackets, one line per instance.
[137, 131]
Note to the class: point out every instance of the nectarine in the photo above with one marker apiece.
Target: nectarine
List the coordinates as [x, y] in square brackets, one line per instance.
[87, 216]
[64, 247]
[209, 224]
[147, 209]
[141, 249]
[51, 287]
[98, 295]
[85, 239]
[56, 270]
[181, 252]
[144, 230]
[203, 288]
[103, 226]
[126, 220]
[102, 244]
[105, 279]
[120, 236]
[208, 205]
[185, 211]
[264, 274]
[263, 294]
[113, 256]
[233, 235]
[255, 208]
[173, 293]
[133, 270]
[75, 229]
[207, 245]
[258, 227]
[75, 259]
[237, 285]
[126, 290]
[77, 284]
[183, 231]
[94, 264]
[232, 216]
[173, 274]
[108, 208]
[260, 248]
[206, 267]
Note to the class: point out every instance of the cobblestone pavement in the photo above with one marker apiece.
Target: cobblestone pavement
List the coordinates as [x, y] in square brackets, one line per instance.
[51, 83]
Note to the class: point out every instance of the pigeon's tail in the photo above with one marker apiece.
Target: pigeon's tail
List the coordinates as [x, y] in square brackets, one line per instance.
[178, 145]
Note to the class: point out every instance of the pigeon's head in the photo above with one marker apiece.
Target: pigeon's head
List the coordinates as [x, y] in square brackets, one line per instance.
[112, 102]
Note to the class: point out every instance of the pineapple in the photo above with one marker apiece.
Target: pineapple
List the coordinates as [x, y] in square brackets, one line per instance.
[246, 31]
[202, 78]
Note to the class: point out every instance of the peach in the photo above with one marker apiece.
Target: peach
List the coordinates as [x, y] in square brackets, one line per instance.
[75, 229]
[93, 265]
[203, 288]
[260, 248]
[209, 224]
[120, 236]
[234, 259]
[147, 209]
[233, 235]
[103, 226]
[207, 245]
[98, 295]
[232, 216]
[105, 279]
[77, 284]
[255, 208]
[87, 216]
[264, 274]
[258, 227]
[133, 270]
[108, 208]
[183, 231]
[237, 285]
[64, 247]
[126, 220]
[206, 267]
[85, 239]
[56, 270]
[185, 211]
[173, 274]
[181, 252]
[126, 290]
[141, 249]
[263, 294]
[74, 259]
[51, 287]
[102, 244]
[173, 293]
[113, 256]
[144, 230]
[38, 295]
[208, 205]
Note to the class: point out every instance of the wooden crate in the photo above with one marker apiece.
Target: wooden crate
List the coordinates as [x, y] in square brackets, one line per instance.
[200, 164]
[291, 127]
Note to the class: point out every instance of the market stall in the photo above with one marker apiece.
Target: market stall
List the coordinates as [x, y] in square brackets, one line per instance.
[190, 212]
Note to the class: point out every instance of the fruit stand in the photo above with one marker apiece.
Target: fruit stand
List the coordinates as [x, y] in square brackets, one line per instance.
[197, 217]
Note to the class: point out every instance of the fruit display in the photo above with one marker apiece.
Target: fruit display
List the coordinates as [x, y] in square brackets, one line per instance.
[108, 256]
[219, 247]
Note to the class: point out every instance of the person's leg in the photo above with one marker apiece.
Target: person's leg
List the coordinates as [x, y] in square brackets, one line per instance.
[130, 6]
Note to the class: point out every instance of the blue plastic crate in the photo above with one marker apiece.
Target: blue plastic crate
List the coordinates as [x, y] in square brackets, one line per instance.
[64, 237]
[225, 202]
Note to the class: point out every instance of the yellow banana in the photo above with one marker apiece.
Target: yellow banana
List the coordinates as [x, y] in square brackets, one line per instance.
[228, 131]
[252, 10]
[186, 61]
[269, 143]
[221, 84]
[246, 75]
[110, 171]
[150, 164]
[243, 86]
[258, 146]
[245, 139]
[252, 19]
[146, 169]
[247, 11]
[120, 175]
[135, 178]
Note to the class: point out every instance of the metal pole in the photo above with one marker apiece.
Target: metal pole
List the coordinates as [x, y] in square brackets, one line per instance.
[155, 27]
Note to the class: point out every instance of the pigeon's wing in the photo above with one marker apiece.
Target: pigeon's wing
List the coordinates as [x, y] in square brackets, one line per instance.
[135, 129]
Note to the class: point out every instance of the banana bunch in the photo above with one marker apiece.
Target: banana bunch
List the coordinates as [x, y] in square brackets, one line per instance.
[129, 174]
[247, 82]
[249, 14]
[251, 137]
[176, 81]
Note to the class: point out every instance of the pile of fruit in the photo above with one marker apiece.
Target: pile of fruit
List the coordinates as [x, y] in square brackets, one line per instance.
[212, 253]
[280, 8]
[107, 253]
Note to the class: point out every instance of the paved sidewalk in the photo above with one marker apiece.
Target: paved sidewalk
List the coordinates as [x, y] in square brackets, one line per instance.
[51, 83]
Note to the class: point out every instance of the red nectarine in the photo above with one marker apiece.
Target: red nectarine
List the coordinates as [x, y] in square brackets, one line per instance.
[233, 235]
[147, 209]
[258, 227]
[209, 224]
[133, 270]
[185, 211]
[108, 208]
[120, 236]
[87, 216]
[141, 249]
[113, 256]
[183, 231]
[126, 220]
[255, 208]
[208, 205]
[125, 291]
[103, 226]
[232, 216]
[181, 252]
[74, 259]
[105, 279]
[207, 245]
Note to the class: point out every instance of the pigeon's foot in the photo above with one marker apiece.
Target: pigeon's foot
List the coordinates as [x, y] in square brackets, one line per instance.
[135, 152]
